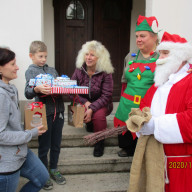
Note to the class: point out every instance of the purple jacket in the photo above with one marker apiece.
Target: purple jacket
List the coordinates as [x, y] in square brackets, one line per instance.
[100, 88]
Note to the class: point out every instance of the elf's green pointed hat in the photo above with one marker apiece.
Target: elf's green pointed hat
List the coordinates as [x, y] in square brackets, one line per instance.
[147, 24]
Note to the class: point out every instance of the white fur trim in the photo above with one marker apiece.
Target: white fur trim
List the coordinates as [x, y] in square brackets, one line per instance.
[154, 27]
[179, 50]
[166, 126]
[171, 46]
[167, 129]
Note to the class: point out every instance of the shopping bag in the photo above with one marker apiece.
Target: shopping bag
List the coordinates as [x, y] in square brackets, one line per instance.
[35, 115]
[76, 115]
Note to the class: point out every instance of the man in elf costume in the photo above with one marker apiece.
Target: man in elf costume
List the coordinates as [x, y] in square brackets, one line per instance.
[170, 102]
[139, 66]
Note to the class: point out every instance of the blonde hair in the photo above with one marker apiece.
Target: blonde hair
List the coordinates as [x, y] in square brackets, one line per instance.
[37, 46]
[153, 35]
[103, 63]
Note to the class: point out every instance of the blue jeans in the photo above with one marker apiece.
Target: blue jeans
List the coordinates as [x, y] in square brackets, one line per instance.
[32, 169]
[51, 140]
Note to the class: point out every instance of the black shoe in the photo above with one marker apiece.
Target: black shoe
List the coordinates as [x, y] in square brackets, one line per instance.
[99, 149]
[89, 126]
[48, 185]
[123, 153]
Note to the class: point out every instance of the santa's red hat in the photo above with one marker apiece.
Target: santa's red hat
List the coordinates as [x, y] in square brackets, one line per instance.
[178, 46]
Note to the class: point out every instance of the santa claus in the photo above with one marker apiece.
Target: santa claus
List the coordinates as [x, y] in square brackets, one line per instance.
[170, 101]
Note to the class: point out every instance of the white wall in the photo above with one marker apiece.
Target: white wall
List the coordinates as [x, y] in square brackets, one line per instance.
[137, 9]
[48, 30]
[173, 16]
[21, 23]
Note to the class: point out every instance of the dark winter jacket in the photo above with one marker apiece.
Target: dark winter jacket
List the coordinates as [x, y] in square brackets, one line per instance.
[51, 102]
[100, 88]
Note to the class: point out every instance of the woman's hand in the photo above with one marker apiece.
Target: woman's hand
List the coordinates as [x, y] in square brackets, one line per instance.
[88, 115]
[41, 130]
[87, 105]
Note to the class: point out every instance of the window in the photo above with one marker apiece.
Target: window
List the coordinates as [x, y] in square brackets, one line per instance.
[75, 10]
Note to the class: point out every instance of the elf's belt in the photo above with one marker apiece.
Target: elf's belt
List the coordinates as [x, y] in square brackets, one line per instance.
[136, 99]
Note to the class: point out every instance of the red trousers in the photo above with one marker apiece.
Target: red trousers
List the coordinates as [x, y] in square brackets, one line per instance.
[99, 119]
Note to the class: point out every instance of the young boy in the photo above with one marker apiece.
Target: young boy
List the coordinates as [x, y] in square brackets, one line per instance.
[54, 111]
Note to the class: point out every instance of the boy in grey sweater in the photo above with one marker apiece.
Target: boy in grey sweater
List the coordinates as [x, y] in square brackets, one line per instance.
[51, 140]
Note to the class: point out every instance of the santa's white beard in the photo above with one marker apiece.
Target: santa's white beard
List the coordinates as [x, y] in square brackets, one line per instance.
[165, 67]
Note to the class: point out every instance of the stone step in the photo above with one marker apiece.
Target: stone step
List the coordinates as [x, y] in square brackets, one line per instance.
[73, 137]
[77, 160]
[99, 182]
[83, 171]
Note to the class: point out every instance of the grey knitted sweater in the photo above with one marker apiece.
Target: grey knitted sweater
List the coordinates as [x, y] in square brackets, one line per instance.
[52, 103]
[13, 138]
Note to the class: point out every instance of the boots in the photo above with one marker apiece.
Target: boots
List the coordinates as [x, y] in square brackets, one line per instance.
[89, 126]
[99, 149]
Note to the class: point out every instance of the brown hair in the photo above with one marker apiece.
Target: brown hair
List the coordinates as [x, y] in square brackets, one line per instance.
[6, 56]
[37, 46]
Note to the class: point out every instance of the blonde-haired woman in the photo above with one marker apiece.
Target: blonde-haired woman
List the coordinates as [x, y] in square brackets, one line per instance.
[94, 69]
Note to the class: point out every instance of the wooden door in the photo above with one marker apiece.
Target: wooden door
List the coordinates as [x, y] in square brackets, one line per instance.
[112, 28]
[76, 22]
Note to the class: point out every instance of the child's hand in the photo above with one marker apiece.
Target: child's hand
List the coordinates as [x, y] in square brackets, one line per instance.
[44, 89]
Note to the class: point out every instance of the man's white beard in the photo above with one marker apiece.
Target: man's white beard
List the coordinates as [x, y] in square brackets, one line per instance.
[165, 67]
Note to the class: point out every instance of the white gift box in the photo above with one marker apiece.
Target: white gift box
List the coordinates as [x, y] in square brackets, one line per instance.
[63, 78]
[66, 83]
[52, 83]
[36, 82]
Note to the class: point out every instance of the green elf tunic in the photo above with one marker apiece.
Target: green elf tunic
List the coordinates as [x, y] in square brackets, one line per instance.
[138, 74]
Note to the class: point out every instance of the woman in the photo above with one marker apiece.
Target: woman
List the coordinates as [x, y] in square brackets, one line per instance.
[15, 158]
[138, 74]
[94, 69]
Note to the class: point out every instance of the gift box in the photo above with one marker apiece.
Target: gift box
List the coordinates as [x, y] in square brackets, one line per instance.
[36, 82]
[70, 90]
[52, 82]
[64, 83]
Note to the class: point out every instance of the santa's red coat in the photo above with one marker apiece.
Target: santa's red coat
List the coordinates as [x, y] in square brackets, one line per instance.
[171, 105]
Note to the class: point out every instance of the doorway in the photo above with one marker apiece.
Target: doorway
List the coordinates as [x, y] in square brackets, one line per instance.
[78, 21]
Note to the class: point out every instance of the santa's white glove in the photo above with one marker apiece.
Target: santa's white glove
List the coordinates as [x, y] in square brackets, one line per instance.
[148, 128]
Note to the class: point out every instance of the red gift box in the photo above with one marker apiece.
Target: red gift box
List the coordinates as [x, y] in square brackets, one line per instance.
[62, 90]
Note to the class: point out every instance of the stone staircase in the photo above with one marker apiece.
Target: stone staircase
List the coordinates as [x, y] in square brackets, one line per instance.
[83, 171]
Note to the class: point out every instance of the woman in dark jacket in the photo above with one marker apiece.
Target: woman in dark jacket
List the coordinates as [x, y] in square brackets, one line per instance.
[94, 69]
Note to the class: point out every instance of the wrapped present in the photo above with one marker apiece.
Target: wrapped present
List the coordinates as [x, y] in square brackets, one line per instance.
[60, 85]
[63, 77]
[41, 79]
[45, 76]
[66, 83]
[70, 90]
[36, 82]
[48, 79]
